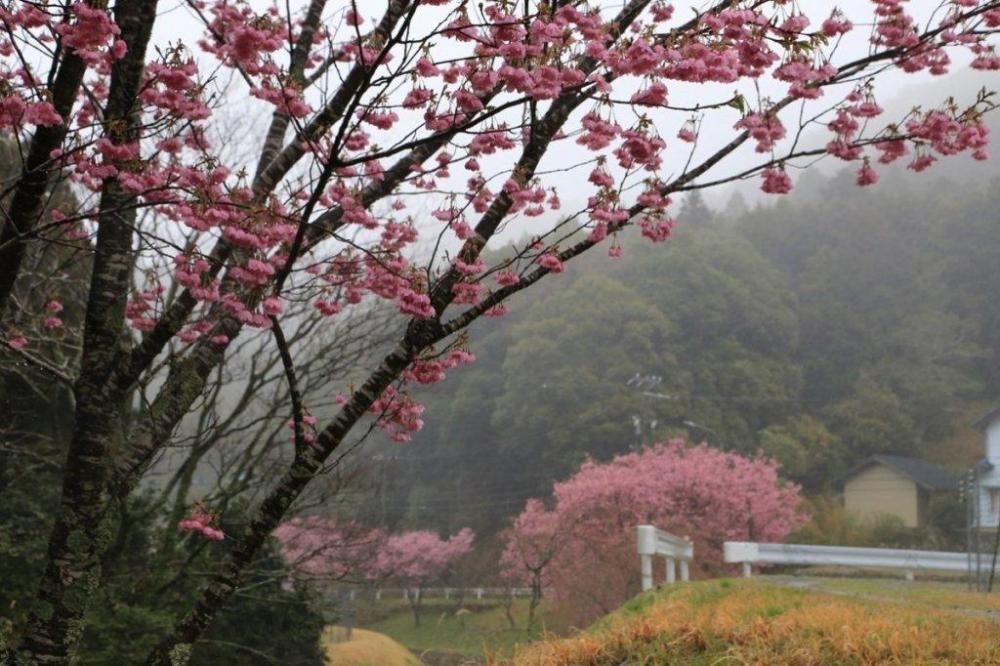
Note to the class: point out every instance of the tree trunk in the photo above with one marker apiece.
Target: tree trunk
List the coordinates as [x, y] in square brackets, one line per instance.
[80, 532]
[536, 599]
[415, 606]
[508, 609]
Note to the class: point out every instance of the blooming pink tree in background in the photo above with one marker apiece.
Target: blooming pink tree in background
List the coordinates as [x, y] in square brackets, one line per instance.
[533, 541]
[385, 122]
[708, 495]
[417, 559]
[320, 549]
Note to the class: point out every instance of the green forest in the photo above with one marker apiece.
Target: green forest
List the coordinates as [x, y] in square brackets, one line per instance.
[836, 324]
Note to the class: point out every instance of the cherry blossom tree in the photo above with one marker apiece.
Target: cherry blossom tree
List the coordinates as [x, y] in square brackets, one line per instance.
[323, 550]
[386, 123]
[588, 535]
[533, 541]
[417, 559]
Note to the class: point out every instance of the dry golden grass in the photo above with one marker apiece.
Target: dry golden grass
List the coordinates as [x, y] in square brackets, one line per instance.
[365, 648]
[751, 622]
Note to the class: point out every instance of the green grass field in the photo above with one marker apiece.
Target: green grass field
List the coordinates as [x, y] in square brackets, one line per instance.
[478, 630]
[927, 594]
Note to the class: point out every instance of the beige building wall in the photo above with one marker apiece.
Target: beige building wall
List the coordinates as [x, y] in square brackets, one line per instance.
[882, 490]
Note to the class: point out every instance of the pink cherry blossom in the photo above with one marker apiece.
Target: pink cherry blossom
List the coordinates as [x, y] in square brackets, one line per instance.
[588, 533]
[419, 558]
[776, 181]
[200, 522]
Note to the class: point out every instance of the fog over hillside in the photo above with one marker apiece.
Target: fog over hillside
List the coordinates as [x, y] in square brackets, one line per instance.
[820, 328]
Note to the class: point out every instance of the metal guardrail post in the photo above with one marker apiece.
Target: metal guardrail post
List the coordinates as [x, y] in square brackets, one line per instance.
[650, 543]
[647, 572]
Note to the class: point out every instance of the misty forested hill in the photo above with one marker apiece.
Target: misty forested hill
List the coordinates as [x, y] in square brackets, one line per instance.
[833, 324]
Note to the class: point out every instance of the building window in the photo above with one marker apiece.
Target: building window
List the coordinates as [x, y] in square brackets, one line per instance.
[995, 501]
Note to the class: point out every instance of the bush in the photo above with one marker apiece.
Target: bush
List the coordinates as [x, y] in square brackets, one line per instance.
[834, 525]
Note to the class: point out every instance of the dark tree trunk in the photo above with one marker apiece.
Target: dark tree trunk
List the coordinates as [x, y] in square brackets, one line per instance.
[80, 532]
[536, 599]
[508, 609]
[415, 606]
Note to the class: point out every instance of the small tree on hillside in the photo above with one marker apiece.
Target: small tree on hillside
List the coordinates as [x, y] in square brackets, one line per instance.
[709, 495]
[417, 559]
[533, 541]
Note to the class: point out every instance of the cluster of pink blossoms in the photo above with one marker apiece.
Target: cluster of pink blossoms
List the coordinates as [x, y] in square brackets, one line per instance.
[141, 305]
[242, 39]
[54, 308]
[308, 428]
[766, 130]
[90, 34]
[432, 370]
[397, 414]
[200, 522]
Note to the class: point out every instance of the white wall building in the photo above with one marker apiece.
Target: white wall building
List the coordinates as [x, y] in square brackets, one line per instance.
[989, 471]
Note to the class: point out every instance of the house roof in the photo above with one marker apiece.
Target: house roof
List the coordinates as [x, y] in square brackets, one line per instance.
[986, 419]
[921, 472]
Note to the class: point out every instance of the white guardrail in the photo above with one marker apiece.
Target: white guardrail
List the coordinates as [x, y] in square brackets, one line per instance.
[748, 553]
[377, 593]
[654, 542]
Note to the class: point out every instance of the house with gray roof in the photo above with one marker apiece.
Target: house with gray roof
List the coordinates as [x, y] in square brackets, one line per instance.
[896, 486]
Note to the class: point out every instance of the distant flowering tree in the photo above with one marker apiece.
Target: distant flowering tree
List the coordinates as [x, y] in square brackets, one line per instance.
[588, 535]
[417, 559]
[533, 541]
[323, 550]
[200, 234]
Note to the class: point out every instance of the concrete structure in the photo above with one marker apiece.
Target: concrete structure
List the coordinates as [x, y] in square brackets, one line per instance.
[652, 542]
[987, 472]
[895, 486]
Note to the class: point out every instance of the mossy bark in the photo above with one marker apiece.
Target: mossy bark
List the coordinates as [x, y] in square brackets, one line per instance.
[81, 531]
